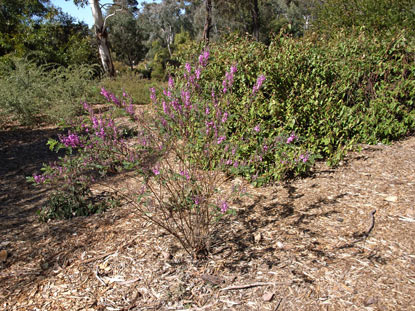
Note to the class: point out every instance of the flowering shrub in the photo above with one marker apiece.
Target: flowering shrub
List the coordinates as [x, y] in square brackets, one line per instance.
[182, 155]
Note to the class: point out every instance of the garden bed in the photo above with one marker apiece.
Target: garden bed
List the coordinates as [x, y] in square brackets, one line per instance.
[299, 245]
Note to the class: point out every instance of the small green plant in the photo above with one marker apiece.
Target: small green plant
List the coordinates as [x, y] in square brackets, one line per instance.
[73, 201]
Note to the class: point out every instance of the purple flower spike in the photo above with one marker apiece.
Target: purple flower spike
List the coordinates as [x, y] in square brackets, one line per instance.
[292, 138]
[258, 84]
[224, 117]
[39, 179]
[153, 95]
[171, 82]
[221, 139]
[304, 157]
[224, 207]
[203, 58]
[188, 67]
[105, 93]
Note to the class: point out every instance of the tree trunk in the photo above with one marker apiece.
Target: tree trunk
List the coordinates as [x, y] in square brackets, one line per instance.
[255, 19]
[102, 38]
[208, 21]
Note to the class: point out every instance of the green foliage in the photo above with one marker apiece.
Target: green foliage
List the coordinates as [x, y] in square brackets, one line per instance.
[14, 16]
[332, 92]
[31, 93]
[126, 39]
[375, 15]
[55, 38]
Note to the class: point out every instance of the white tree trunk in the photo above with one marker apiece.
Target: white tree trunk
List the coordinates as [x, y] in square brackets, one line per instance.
[102, 37]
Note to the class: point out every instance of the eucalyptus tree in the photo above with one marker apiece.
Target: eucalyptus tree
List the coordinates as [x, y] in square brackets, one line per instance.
[126, 38]
[162, 21]
[100, 27]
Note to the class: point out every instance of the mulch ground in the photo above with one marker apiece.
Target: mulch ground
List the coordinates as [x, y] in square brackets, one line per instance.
[341, 239]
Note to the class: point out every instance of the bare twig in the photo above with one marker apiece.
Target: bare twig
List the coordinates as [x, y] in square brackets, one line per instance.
[372, 223]
[278, 305]
[246, 286]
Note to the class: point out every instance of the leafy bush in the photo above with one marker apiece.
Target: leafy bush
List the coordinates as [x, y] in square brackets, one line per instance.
[333, 92]
[374, 15]
[33, 93]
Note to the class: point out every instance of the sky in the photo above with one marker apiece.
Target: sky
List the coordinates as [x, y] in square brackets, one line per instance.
[82, 14]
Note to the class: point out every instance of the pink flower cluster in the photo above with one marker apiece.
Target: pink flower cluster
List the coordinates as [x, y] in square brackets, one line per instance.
[72, 140]
[258, 84]
[228, 81]
[203, 58]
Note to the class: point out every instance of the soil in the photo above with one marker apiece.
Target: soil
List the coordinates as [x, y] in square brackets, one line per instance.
[340, 239]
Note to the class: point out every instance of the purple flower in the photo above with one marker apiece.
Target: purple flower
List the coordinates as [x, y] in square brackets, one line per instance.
[165, 108]
[265, 148]
[72, 140]
[207, 110]
[292, 138]
[86, 106]
[257, 128]
[224, 117]
[185, 174]
[198, 73]
[304, 157]
[197, 201]
[186, 99]
[105, 93]
[130, 109]
[228, 81]
[224, 206]
[171, 82]
[155, 171]
[188, 67]
[39, 179]
[221, 139]
[176, 105]
[153, 95]
[258, 84]
[203, 58]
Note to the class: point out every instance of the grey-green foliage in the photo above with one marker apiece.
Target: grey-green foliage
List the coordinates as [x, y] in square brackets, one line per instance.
[32, 94]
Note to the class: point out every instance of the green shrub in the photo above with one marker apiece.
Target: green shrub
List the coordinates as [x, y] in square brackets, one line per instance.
[333, 92]
[31, 93]
[374, 15]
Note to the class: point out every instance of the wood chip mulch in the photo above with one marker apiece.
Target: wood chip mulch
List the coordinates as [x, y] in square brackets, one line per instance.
[341, 239]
